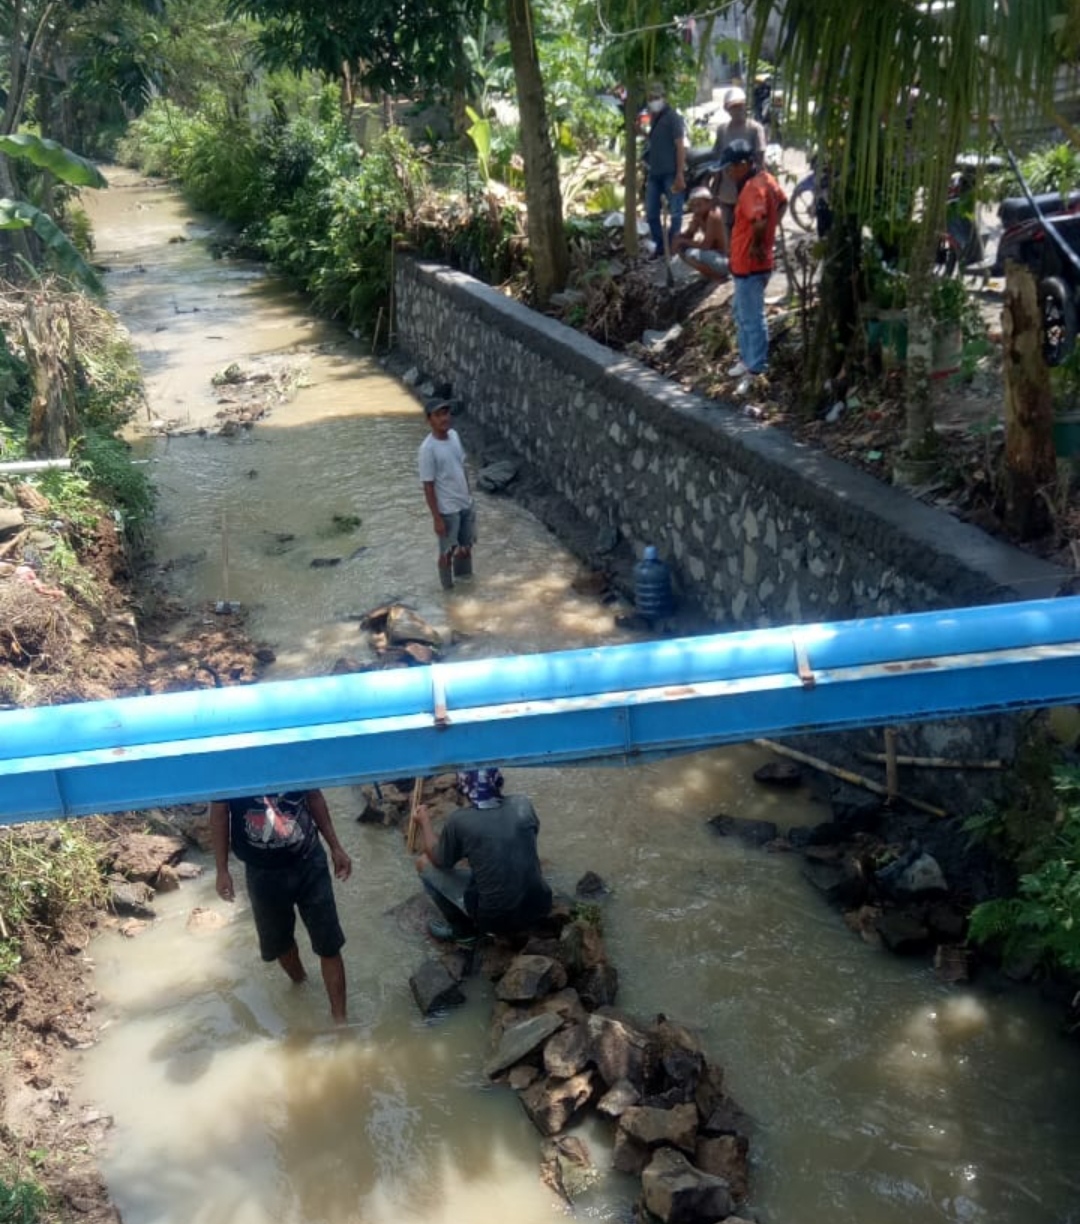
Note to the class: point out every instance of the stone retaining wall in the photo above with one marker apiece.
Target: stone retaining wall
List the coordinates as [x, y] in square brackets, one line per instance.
[757, 529]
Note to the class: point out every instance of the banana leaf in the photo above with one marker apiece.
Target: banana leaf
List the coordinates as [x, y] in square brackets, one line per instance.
[18, 214]
[68, 167]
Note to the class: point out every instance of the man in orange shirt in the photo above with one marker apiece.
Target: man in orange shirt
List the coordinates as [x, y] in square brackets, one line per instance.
[760, 205]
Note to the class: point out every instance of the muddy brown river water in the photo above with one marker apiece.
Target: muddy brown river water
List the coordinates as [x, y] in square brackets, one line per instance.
[880, 1096]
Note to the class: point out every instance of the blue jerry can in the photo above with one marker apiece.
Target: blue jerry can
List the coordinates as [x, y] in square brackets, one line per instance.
[652, 587]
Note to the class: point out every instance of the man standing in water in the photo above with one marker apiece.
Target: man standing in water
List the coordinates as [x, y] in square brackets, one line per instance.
[503, 889]
[276, 837]
[447, 492]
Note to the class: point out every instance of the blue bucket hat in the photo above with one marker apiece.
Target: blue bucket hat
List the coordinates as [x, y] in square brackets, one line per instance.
[482, 787]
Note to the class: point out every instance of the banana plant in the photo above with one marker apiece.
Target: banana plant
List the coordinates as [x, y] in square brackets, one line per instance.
[69, 168]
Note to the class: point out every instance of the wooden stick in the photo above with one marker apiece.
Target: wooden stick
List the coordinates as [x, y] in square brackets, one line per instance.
[413, 829]
[878, 758]
[224, 554]
[892, 784]
[846, 775]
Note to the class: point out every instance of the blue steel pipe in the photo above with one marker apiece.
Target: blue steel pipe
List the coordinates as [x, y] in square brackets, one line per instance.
[646, 699]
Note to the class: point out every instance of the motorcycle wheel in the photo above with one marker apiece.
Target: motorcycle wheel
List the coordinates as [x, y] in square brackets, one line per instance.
[948, 260]
[801, 207]
[1058, 309]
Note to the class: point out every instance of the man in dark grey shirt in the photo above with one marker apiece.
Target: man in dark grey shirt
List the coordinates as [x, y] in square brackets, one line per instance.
[667, 170]
[503, 889]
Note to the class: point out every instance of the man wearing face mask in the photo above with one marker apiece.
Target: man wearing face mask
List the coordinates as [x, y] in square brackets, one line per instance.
[667, 170]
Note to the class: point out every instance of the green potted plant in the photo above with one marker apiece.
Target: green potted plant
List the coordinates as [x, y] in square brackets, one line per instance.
[884, 306]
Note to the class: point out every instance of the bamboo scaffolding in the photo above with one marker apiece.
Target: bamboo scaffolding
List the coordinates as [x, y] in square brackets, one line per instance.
[412, 832]
[879, 758]
[847, 775]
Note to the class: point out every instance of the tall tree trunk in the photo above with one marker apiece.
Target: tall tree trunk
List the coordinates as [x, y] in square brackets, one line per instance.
[1030, 462]
[547, 236]
[634, 90]
[920, 438]
[837, 314]
[51, 420]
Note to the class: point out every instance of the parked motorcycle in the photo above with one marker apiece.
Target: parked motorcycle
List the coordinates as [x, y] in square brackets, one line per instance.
[702, 169]
[962, 247]
[808, 205]
[768, 107]
[1025, 240]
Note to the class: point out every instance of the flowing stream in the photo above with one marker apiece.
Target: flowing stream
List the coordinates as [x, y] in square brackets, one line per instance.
[880, 1096]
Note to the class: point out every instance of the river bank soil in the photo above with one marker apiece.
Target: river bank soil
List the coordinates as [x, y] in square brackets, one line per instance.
[55, 649]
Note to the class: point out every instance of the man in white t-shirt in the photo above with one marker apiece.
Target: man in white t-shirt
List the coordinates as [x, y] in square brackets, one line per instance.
[446, 490]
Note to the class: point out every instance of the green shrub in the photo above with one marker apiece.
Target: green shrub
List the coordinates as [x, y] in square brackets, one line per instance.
[1043, 920]
[47, 873]
[22, 1201]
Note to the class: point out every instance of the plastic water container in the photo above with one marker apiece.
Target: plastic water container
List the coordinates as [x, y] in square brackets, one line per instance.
[652, 587]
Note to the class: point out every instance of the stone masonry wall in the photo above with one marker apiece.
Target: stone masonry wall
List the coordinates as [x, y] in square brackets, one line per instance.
[757, 529]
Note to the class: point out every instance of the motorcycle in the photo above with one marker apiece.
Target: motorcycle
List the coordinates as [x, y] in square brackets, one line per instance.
[808, 205]
[702, 169]
[768, 107]
[1054, 261]
[962, 247]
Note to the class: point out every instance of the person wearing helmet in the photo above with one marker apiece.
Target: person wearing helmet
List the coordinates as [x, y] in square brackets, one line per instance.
[503, 889]
[737, 127]
[704, 244]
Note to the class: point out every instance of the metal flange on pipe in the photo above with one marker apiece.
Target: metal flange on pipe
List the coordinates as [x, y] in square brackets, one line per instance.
[615, 703]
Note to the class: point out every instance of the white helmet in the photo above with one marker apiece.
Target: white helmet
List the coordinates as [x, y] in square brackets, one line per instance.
[734, 97]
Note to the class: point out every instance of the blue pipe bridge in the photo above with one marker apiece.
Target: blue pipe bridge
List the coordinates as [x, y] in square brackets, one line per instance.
[614, 703]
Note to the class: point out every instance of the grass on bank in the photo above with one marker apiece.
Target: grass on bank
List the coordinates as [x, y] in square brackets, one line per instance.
[22, 1199]
[49, 875]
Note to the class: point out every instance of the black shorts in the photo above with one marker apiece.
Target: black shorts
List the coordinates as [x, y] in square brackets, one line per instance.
[278, 893]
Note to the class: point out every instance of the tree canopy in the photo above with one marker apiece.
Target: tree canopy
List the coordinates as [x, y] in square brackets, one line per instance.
[392, 45]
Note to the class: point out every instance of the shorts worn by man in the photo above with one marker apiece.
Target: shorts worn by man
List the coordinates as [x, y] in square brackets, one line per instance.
[447, 493]
[276, 837]
[503, 890]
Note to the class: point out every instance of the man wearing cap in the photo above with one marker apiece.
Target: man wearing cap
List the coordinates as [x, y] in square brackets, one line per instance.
[737, 127]
[447, 492]
[667, 168]
[502, 890]
[707, 255]
[760, 203]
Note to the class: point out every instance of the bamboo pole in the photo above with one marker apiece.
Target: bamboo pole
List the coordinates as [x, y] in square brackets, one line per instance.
[878, 758]
[892, 776]
[846, 775]
[224, 555]
[413, 829]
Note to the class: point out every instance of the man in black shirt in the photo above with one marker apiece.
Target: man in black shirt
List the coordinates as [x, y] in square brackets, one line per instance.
[666, 176]
[503, 890]
[276, 837]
